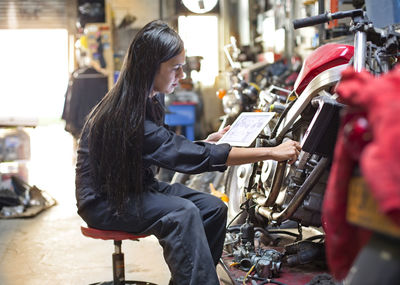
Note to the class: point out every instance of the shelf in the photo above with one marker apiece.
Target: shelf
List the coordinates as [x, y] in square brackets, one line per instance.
[11, 121]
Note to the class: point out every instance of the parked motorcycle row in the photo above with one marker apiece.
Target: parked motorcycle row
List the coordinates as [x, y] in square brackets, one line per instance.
[266, 197]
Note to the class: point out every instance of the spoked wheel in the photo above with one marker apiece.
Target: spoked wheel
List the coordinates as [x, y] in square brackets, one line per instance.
[235, 183]
[180, 178]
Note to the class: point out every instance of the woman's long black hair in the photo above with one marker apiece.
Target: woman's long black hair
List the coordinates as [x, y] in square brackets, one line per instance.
[116, 124]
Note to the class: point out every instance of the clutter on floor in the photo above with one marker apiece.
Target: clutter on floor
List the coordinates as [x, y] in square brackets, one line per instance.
[254, 255]
[18, 199]
[21, 200]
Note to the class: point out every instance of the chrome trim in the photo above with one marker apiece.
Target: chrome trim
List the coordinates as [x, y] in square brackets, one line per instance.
[360, 47]
[276, 184]
[298, 198]
[322, 81]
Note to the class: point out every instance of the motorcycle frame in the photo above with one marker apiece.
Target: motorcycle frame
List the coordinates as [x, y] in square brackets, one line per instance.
[318, 85]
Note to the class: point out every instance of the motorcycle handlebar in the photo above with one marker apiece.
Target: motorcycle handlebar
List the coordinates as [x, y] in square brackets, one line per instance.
[312, 21]
[324, 18]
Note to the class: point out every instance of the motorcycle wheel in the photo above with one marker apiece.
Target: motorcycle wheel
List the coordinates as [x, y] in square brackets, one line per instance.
[180, 178]
[235, 194]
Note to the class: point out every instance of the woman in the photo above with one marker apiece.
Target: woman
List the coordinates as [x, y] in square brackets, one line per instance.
[124, 138]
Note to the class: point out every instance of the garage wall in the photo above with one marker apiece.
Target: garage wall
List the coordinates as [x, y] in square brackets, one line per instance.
[144, 11]
[37, 14]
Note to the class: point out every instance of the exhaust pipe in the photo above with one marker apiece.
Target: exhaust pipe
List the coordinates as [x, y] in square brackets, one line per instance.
[298, 198]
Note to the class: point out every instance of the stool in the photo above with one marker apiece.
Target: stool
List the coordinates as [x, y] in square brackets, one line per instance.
[118, 256]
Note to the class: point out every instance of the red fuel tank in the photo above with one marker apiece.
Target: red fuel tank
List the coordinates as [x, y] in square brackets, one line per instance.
[321, 59]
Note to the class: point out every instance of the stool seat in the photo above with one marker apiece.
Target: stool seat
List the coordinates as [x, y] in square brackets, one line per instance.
[108, 235]
[118, 256]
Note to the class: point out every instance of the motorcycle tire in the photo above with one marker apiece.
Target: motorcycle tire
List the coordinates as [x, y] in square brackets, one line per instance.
[180, 178]
[236, 197]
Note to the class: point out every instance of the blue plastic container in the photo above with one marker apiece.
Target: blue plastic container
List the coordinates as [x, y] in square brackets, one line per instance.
[183, 115]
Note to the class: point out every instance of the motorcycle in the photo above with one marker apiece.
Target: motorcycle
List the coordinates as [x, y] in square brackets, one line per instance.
[273, 193]
[279, 190]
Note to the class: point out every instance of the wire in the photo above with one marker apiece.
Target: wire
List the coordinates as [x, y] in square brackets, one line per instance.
[227, 271]
[266, 280]
[321, 237]
[283, 232]
[241, 212]
[271, 281]
[234, 218]
[247, 274]
[288, 106]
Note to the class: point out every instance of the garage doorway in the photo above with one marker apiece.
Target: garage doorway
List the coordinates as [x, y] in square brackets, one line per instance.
[33, 72]
[200, 35]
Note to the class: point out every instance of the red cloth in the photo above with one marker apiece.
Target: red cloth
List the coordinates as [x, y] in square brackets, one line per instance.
[379, 163]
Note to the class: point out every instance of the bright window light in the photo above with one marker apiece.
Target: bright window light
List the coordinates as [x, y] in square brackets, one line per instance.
[33, 72]
[200, 35]
[268, 29]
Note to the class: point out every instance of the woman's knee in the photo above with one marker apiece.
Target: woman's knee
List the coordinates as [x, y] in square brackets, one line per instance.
[222, 210]
[190, 208]
[187, 210]
[217, 204]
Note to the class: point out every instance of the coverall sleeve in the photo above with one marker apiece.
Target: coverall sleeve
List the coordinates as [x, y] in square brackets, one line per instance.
[166, 149]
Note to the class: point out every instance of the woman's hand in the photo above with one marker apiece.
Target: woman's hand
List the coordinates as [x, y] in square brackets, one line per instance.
[214, 137]
[289, 150]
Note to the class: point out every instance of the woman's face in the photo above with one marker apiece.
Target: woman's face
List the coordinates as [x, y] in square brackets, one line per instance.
[169, 74]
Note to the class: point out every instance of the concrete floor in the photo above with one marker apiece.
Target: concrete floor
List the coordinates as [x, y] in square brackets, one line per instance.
[49, 248]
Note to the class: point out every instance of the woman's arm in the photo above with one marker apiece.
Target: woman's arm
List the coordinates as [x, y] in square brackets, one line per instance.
[288, 150]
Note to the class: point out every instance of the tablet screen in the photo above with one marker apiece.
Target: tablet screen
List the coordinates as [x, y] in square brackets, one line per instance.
[246, 128]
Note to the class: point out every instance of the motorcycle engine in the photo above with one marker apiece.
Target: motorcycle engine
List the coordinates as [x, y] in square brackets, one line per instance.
[296, 192]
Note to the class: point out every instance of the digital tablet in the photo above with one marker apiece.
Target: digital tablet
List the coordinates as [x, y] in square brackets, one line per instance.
[246, 128]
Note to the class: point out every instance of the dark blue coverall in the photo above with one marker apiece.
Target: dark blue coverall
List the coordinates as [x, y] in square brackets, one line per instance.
[190, 225]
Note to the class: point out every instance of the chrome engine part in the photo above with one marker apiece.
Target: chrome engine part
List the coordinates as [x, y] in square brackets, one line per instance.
[295, 192]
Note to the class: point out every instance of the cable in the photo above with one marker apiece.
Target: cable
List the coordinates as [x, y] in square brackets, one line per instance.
[288, 106]
[247, 274]
[321, 237]
[283, 232]
[227, 271]
[272, 282]
[266, 280]
[234, 218]
[241, 212]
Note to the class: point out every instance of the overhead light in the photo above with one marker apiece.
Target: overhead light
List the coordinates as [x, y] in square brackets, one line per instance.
[200, 6]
